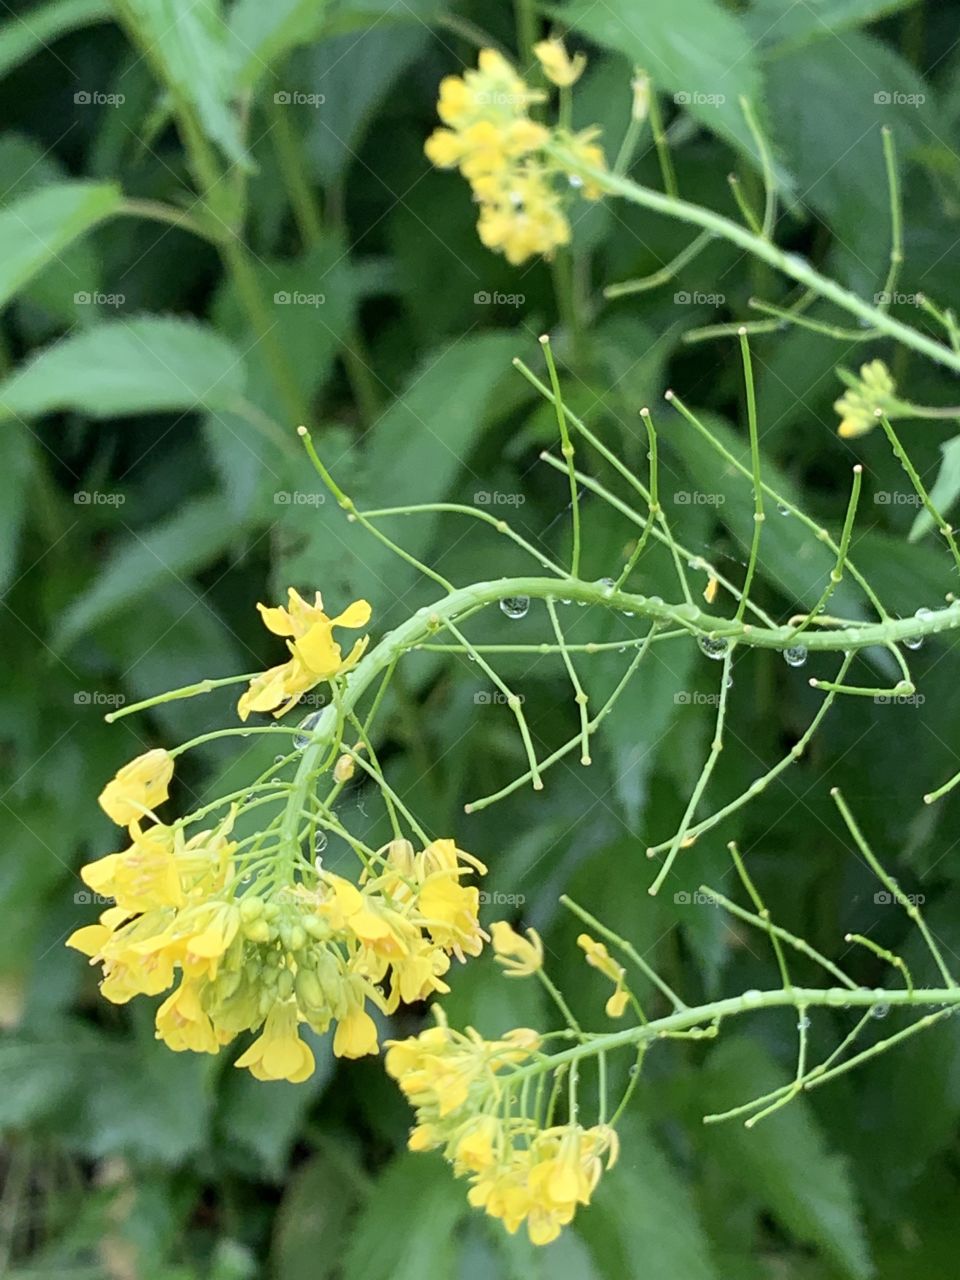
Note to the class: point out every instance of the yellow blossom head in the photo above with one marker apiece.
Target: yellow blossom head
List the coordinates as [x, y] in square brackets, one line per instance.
[520, 956]
[867, 396]
[315, 654]
[138, 787]
[519, 186]
[559, 68]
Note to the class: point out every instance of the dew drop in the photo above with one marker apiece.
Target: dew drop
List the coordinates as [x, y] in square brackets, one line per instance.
[914, 642]
[634, 1070]
[609, 586]
[319, 842]
[879, 1011]
[279, 759]
[923, 613]
[796, 655]
[713, 646]
[783, 509]
[803, 1024]
[515, 606]
[305, 730]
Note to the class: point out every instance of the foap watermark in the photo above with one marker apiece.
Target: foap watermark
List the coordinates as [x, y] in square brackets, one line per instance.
[294, 298]
[694, 698]
[494, 898]
[694, 98]
[699, 299]
[897, 498]
[695, 899]
[494, 498]
[486, 298]
[298, 498]
[490, 697]
[887, 299]
[895, 98]
[884, 898]
[94, 98]
[99, 498]
[86, 898]
[500, 99]
[295, 98]
[97, 698]
[94, 298]
[698, 498]
[899, 699]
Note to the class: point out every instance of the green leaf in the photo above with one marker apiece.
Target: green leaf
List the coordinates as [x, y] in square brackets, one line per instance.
[265, 1121]
[186, 43]
[36, 1078]
[149, 364]
[944, 491]
[17, 462]
[260, 34]
[785, 1163]
[693, 49]
[22, 37]
[828, 103]
[379, 1250]
[782, 25]
[197, 534]
[312, 1220]
[661, 1237]
[37, 228]
[354, 74]
[429, 431]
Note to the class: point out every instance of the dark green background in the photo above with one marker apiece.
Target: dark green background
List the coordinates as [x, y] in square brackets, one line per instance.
[182, 1167]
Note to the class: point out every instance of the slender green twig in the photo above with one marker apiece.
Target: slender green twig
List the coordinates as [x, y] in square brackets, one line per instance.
[762, 912]
[761, 783]
[836, 573]
[904, 458]
[892, 886]
[665, 274]
[758, 513]
[567, 450]
[579, 696]
[766, 164]
[716, 746]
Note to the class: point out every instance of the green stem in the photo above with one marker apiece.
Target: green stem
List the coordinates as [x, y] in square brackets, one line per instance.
[790, 264]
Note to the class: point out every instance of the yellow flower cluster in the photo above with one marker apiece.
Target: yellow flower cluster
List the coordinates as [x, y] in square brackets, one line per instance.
[873, 390]
[267, 959]
[490, 137]
[314, 654]
[518, 1172]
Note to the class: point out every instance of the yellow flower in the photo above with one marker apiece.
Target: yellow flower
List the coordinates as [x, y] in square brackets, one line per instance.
[315, 655]
[476, 1145]
[873, 390]
[138, 787]
[183, 1024]
[519, 956]
[558, 66]
[600, 958]
[278, 1053]
[356, 1034]
[143, 877]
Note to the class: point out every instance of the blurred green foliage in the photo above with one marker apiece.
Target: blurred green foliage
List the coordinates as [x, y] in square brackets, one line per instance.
[170, 311]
